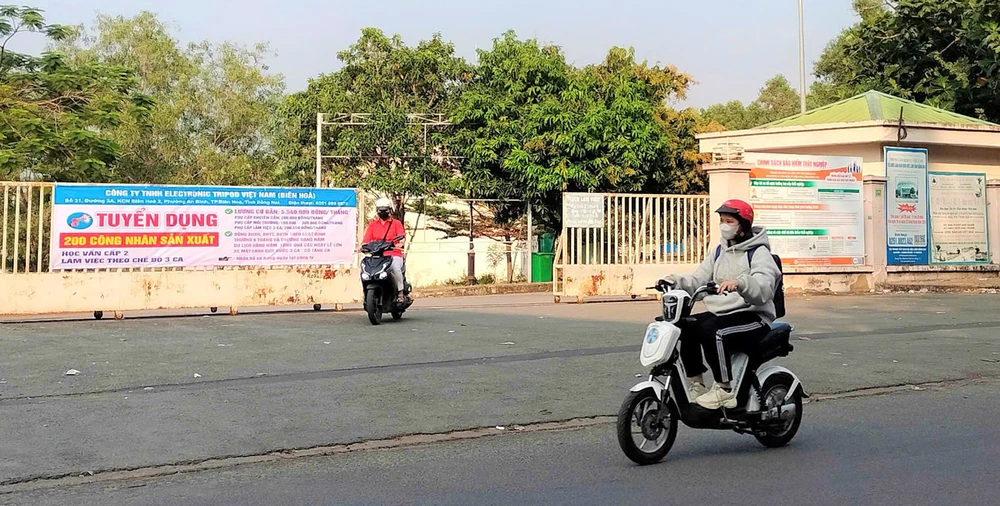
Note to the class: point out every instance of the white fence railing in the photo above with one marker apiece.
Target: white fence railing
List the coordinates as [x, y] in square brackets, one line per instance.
[27, 207]
[637, 230]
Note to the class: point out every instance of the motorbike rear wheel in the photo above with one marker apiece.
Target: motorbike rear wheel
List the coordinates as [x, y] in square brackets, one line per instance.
[778, 433]
[642, 438]
[373, 306]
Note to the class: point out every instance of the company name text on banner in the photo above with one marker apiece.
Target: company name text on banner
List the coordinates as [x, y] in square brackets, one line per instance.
[124, 226]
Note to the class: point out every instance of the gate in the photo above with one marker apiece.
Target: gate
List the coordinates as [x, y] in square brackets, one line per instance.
[625, 243]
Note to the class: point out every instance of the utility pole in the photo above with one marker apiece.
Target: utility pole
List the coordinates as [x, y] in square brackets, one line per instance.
[802, 61]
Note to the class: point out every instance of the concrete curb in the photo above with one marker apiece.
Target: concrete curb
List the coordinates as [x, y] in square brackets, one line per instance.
[480, 290]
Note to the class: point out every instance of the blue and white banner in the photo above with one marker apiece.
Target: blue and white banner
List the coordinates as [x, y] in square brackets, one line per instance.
[129, 226]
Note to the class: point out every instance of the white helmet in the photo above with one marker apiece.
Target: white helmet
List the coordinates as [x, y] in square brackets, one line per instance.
[383, 203]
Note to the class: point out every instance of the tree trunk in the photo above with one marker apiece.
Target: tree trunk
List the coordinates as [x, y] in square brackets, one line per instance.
[399, 204]
[510, 258]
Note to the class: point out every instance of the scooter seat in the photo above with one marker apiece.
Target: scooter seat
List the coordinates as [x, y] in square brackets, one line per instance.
[776, 343]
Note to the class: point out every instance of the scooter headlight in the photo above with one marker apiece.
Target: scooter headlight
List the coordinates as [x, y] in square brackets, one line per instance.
[670, 304]
[382, 275]
[365, 276]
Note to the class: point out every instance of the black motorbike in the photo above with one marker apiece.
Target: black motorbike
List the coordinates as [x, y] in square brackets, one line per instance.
[380, 288]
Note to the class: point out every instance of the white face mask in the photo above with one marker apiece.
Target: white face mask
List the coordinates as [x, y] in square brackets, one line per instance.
[729, 231]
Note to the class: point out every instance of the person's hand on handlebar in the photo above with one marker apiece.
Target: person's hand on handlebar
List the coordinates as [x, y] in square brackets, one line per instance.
[728, 286]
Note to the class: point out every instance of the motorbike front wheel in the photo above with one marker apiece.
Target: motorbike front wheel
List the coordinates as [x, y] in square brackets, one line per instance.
[373, 306]
[645, 439]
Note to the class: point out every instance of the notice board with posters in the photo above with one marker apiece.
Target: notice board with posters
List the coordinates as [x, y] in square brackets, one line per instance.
[907, 224]
[958, 218]
[812, 207]
[130, 226]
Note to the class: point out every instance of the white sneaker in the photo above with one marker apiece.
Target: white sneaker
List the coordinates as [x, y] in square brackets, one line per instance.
[696, 390]
[717, 398]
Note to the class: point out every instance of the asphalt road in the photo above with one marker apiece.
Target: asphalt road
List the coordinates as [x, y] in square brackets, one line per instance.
[269, 383]
[933, 447]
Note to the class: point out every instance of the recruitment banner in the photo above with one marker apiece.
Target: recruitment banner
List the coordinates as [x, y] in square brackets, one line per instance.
[126, 226]
[812, 207]
[906, 206]
[958, 218]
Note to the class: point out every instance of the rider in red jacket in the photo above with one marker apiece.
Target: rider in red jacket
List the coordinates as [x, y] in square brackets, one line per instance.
[387, 228]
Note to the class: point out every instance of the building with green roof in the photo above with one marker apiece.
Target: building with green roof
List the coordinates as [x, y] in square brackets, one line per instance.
[864, 124]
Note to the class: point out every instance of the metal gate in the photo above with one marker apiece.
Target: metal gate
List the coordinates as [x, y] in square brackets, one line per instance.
[634, 241]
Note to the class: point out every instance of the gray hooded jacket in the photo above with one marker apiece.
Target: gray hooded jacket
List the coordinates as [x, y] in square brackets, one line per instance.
[757, 281]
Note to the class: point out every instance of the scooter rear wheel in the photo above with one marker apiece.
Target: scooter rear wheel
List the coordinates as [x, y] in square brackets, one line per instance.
[778, 433]
[642, 439]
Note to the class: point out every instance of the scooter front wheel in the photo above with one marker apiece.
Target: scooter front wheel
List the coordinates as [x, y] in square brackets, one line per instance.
[642, 434]
[373, 307]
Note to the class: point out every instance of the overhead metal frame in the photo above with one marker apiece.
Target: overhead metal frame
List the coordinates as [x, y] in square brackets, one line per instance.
[352, 119]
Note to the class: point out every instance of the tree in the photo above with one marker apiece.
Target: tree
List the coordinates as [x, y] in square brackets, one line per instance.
[531, 126]
[945, 53]
[57, 113]
[387, 80]
[776, 100]
[215, 103]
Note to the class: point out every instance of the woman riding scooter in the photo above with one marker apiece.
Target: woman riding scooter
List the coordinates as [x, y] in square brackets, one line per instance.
[740, 314]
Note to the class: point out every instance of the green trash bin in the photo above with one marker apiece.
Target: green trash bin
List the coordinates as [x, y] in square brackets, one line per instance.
[541, 267]
[546, 243]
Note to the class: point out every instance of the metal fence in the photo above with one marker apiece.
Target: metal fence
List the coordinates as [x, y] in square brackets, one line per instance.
[641, 236]
[643, 229]
[27, 209]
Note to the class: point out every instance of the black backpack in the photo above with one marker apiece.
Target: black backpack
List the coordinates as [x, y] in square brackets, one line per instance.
[779, 291]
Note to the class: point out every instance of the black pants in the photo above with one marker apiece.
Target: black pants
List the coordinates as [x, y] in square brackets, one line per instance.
[719, 337]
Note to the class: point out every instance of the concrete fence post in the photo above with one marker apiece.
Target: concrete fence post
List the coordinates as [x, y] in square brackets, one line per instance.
[993, 218]
[726, 180]
[875, 241]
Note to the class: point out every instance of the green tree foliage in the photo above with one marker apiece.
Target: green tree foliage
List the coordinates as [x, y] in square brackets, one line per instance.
[945, 53]
[56, 113]
[386, 80]
[215, 104]
[532, 126]
[777, 100]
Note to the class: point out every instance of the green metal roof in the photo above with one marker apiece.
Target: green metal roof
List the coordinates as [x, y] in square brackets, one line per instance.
[875, 106]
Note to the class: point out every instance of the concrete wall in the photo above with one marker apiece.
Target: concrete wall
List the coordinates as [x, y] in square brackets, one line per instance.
[434, 259]
[69, 292]
[597, 280]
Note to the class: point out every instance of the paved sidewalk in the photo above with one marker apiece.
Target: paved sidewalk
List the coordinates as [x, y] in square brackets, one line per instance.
[291, 380]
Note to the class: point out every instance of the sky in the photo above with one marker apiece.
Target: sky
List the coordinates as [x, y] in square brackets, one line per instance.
[731, 47]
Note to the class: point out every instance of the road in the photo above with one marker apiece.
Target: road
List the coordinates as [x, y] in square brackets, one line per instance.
[162, 391]
[939, 446]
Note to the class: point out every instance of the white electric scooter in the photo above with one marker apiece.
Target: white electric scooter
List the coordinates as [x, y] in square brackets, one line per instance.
[769, 400]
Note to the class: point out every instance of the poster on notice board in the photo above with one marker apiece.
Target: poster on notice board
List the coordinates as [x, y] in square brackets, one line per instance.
[811, 206]
[906, 206]
[958, 218]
